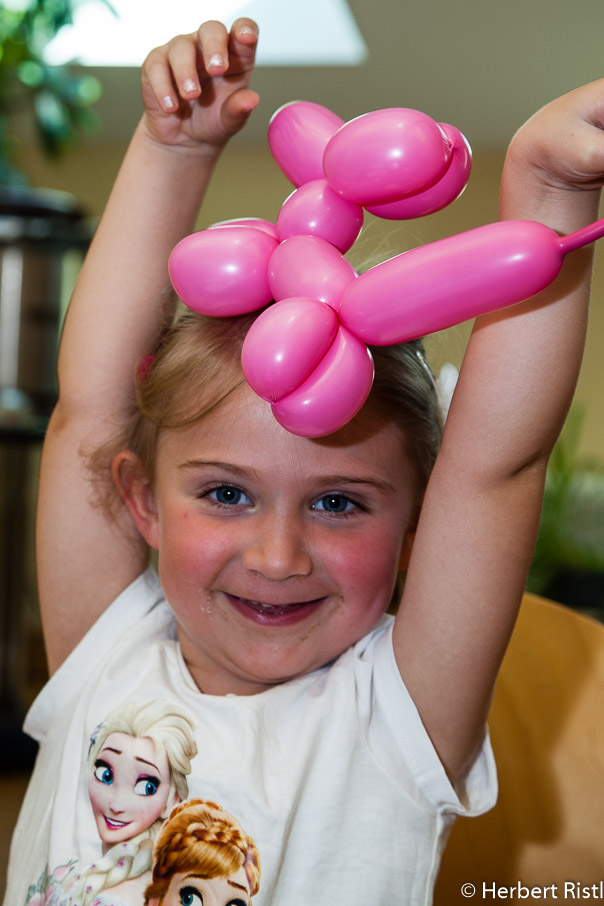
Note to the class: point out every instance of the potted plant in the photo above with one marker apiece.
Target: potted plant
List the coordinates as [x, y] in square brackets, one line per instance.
[57, 98]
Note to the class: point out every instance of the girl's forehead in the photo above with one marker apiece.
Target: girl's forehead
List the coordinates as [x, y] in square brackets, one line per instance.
[243, 425]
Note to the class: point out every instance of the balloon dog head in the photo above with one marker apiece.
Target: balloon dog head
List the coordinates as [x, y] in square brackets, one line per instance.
[307, 353]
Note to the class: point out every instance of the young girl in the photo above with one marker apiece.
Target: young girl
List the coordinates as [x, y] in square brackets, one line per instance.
[344, 741]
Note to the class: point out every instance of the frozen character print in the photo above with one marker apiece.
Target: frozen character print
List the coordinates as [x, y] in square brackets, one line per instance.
[138, 762]
[203, 857]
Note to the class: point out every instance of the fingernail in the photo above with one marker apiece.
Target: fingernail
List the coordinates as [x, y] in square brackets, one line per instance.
[169, 102]
[215, 61]
[189, 85]
[247, 30]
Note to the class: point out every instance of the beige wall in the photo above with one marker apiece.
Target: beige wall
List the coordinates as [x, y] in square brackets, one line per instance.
[248, 183]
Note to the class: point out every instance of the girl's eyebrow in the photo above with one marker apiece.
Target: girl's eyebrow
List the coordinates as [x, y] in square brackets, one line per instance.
[339, 480]
[215, 464]
[335, 480]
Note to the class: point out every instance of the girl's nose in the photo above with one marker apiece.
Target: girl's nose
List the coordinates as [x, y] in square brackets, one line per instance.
[278, 551]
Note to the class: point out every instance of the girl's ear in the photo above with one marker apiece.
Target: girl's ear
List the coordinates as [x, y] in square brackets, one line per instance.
[134, 487]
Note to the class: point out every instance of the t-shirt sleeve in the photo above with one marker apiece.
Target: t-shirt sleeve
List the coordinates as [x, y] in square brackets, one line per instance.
[130, 607]
[396, 735]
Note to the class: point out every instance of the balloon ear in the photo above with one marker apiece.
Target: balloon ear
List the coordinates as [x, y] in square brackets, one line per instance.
[442, 193]
[297, 135]
[385, 155]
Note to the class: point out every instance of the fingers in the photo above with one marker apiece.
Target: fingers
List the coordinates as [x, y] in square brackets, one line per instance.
[177, 69]
[237, 109]
[213, 41]
[228, 52]
[170, 72]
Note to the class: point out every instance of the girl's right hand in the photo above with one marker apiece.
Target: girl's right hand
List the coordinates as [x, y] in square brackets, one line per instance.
[195, 87]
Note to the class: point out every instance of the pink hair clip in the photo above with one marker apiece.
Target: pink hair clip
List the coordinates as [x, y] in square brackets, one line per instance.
[307, 353]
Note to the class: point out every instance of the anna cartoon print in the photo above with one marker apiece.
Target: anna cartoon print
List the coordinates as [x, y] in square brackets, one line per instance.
[203, 857]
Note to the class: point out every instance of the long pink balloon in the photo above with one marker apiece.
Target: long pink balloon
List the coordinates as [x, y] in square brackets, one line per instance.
[454, 279]
[333, 394]
[297, 135]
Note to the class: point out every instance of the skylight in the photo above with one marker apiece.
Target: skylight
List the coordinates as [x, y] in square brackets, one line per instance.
[312, 33]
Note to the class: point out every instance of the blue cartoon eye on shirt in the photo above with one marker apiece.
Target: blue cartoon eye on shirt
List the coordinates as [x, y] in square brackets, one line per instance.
[146, 786]
[103, 772]
[190, 896]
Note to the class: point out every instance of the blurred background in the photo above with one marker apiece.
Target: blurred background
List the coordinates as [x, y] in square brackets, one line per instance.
[69, 101]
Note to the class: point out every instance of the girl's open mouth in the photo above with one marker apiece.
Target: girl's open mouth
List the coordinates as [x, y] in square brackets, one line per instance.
[274, 614]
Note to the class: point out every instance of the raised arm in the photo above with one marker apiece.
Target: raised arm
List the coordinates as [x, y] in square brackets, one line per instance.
[481, 512]
[195, 91]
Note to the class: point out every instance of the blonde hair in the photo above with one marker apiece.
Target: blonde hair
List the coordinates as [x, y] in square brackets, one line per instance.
[197, 365]
[200, 837]
[170, 727]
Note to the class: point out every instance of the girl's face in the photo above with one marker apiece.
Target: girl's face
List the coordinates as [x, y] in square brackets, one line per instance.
[129, 787]
[192, 890]
[276, 552]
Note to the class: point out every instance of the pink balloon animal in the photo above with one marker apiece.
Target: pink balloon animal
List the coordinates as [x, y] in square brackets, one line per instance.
[307, 354]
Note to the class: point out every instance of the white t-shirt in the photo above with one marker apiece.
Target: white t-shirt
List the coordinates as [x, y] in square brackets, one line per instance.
[332, 774]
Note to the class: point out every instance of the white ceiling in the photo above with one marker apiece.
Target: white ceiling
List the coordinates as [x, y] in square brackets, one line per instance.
[483, 65]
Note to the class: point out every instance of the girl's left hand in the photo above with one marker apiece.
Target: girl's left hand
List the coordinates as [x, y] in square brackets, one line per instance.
[195, 87]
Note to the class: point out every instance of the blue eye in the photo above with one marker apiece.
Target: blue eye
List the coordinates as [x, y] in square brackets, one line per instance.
[146, 786]
[334, 503]
[103, 772]
[227, 495]
[188, 896]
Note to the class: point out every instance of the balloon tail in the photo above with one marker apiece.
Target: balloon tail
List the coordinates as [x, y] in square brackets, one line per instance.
[582, 237]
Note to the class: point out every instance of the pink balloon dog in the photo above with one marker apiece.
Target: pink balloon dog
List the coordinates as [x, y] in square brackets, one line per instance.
[307, 353]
